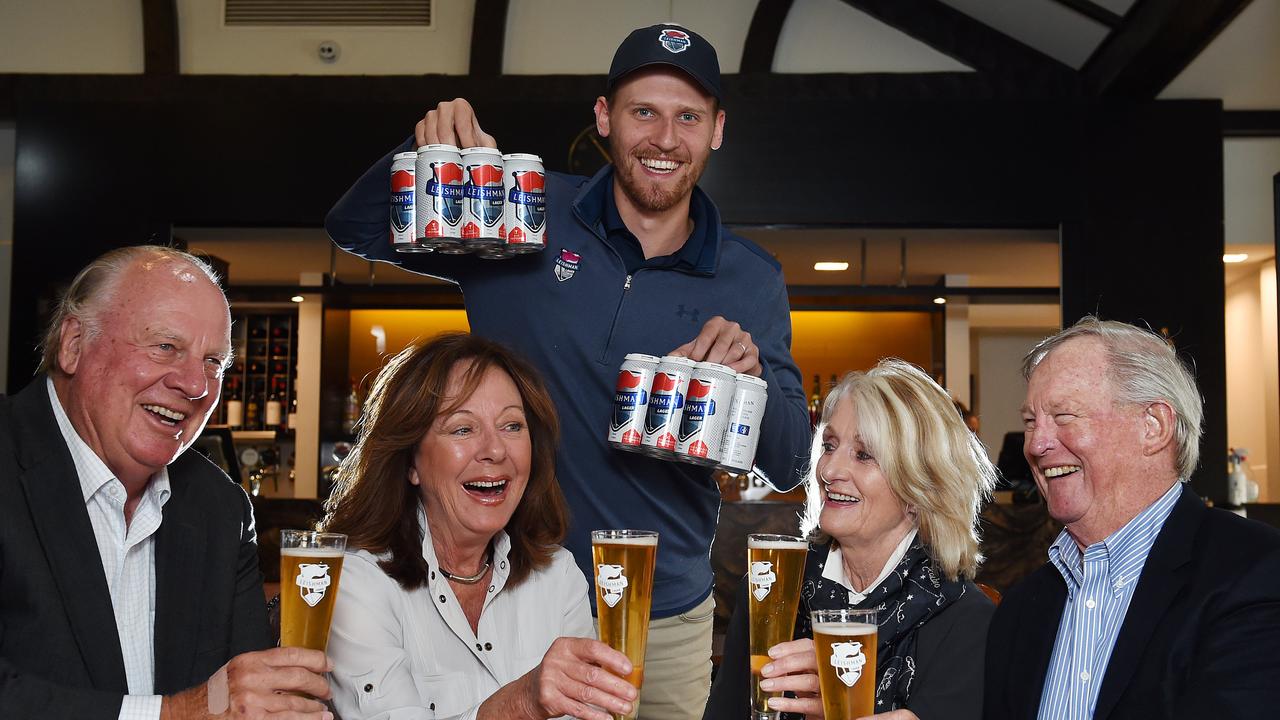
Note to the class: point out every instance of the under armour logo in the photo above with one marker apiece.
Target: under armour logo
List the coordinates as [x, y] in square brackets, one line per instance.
[691, 313]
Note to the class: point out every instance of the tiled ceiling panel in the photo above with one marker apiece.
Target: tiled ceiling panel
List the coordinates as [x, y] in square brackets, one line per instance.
[1046, 25]
[829, 36]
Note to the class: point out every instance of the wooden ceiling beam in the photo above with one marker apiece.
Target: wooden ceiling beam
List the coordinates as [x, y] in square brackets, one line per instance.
[488, 38]
[1094, 11]
[160, 37]
[1157, 40]
[762, 37]
[964, 38]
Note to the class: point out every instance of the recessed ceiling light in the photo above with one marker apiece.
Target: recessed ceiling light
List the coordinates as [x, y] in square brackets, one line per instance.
[831, 266]
[939, 301]
[296, 298]
[1235, 257]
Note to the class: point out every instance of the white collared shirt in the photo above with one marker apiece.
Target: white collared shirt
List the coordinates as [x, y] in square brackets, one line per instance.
[411, 655]
[128, 561]
[833, 568]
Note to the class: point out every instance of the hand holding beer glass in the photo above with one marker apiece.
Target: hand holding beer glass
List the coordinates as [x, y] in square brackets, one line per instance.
[775, 568]
[623, 561]
[310, 567]
[845, 643]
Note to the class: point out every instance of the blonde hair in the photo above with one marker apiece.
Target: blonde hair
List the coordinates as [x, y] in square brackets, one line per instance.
[929, 458]
[92, 288]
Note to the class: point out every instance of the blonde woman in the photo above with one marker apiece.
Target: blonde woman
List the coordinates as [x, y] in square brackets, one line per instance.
[894, 488]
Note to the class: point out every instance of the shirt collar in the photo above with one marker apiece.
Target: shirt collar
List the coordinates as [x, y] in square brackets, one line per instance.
[833, 569]
[700, 253]
[501, 545]
[92, 472]
[1123, 552]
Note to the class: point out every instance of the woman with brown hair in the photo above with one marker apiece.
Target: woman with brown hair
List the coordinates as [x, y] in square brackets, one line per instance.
[456, 600]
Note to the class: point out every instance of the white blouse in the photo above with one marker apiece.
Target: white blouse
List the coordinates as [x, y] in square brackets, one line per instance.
[412, 655]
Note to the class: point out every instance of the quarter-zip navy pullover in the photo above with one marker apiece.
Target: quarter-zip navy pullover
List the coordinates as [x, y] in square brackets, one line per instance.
[574, 311]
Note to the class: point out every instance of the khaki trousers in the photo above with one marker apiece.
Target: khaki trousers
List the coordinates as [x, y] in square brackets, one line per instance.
[677, 665]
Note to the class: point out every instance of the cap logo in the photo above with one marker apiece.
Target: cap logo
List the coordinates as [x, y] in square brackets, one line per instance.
[675, 41]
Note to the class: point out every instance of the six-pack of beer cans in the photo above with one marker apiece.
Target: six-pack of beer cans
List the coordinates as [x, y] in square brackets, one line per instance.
[695, 412]
[475, 200]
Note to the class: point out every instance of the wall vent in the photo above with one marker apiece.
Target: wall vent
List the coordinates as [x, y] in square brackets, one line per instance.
[242, 13]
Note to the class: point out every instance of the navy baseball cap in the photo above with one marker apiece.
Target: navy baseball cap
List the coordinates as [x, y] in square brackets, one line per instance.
[668, 44]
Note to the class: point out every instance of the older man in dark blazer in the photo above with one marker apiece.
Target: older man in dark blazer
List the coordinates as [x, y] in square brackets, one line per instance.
[1152, 605]
[129, 584]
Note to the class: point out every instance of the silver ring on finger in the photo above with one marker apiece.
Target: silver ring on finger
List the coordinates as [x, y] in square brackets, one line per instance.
[744, 348]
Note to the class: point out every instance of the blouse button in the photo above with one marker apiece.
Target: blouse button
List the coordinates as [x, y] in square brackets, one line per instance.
[433, 574]
[503, 564]
[488, 646]
[368, 687]
[490, 588]
[432, 706]
[441, 598]
[478, 647]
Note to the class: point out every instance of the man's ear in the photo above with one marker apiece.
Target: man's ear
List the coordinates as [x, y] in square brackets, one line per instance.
[71, 345]
[1158, 427]
[602, 116]
[717, 136]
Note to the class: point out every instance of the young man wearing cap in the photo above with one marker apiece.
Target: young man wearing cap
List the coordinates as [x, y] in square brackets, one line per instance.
[636, 261]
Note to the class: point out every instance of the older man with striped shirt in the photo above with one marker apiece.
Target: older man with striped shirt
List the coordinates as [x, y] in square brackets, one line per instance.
[1151, 604]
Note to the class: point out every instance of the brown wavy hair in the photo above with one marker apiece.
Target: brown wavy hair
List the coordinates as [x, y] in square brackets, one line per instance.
[373, 501]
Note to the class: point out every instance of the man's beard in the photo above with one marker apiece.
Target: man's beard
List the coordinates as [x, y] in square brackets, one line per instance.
[644, 193]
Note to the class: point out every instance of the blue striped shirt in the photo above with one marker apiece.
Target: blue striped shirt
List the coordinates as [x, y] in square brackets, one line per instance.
[1100, 584]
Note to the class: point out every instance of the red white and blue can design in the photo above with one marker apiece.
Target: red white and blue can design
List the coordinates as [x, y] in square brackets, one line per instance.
[402, 210]
[738, 450]
[706, 413]
[482, 205]
[631, 401]
[525, 216]
[666, 404]
[439, 185]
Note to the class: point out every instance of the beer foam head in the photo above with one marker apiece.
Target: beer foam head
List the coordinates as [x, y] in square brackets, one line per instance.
[844, 629]
[776, 542]
[311, 552]
[644, 540]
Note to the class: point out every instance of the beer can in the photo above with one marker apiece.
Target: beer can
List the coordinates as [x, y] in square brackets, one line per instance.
[402, 212]
[525, 216]
[706, 413]
[498, 252]
[738, 450]
[438, 197]
[666, 403]
[631, 401]
[482, 204]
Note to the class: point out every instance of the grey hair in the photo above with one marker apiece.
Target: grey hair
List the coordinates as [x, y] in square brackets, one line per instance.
[929, 458]
[94, 286]
[1143, 368]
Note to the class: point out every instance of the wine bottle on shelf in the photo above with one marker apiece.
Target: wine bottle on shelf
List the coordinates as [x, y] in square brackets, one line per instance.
[253, 411]
[351, 410]
[815, 402]
[292, 417]
[273, 410]
[234, 404]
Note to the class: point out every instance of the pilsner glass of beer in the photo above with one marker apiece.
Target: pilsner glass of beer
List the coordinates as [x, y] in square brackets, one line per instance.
[775, 569]
[310, 566]
[623, 561]
[845, 641]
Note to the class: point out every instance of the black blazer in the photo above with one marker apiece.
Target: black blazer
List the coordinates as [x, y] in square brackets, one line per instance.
[59, 649]
[1201, 638]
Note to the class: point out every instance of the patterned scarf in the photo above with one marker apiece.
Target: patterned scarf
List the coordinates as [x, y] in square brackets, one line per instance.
[912, 594]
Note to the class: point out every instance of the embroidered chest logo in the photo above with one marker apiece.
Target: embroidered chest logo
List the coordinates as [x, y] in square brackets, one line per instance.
[762, 579]
[847, 659]
[567, 264]
[611, 582]
[313, 581]
[690, 313]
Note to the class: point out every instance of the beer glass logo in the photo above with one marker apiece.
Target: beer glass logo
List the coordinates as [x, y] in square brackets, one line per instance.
[762, 579]
[847, 659]
[611, 582]
[312, 581]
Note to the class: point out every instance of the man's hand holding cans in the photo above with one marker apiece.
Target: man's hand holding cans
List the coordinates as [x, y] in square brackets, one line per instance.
[452, 122]
[724, 342]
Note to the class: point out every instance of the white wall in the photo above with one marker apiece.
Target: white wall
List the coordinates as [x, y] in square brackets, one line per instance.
[1001, 389]
[7, 165]
[1252, 375]
[71, 36]
[1248, 166]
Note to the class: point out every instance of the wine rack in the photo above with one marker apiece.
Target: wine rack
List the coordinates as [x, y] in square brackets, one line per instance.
[259, 390]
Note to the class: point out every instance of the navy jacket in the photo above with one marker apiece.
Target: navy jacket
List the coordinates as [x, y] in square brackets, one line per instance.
[60, 651]
[574, 312]
[1200, 638]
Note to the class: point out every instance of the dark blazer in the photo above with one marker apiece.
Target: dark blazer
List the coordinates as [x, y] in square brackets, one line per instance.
[1200, 638]
[59, 649]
